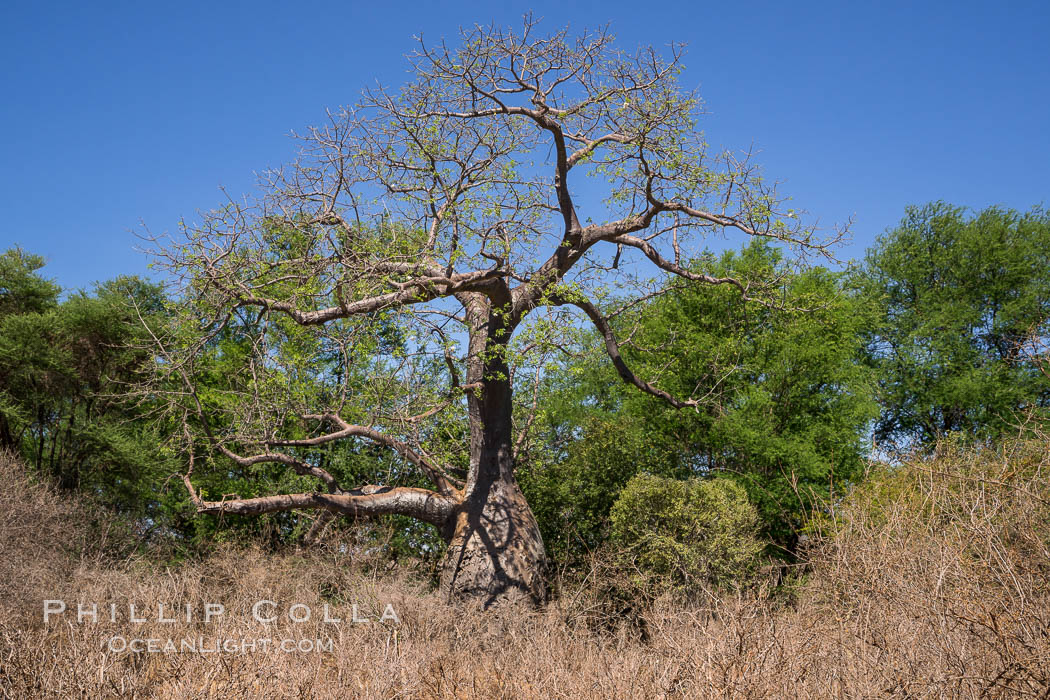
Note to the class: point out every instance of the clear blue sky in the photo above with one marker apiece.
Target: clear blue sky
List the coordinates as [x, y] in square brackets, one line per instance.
[114, 113]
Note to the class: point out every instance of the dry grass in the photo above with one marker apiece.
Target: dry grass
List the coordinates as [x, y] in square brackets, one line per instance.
[931, 583]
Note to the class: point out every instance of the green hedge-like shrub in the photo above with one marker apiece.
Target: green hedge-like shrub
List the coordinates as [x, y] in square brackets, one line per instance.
[688, 535]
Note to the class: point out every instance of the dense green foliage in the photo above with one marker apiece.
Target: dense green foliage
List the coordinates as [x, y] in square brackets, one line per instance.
[72, 407]
[254, 371]
[964, 304]
[687, 535]
[572, 489]
[65, 369]
[946, 324]
[786, 401]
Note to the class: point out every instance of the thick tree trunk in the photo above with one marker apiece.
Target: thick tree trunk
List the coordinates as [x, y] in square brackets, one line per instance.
[495, 554]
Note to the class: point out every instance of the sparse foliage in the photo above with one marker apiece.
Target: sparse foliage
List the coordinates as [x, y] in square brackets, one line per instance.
[449, 215]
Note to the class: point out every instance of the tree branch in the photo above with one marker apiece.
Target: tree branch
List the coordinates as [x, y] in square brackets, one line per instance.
[612, 347]
[298, 465]
[664, 264]
[364, 502]
[412, 292]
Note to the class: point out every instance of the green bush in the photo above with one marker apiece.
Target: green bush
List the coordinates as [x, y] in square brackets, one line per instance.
[571, 497]
[688, 535]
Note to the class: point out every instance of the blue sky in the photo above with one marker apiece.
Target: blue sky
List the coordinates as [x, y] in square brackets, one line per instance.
[118, 113]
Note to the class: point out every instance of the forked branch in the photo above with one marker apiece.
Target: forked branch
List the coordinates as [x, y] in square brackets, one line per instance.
[612, 348]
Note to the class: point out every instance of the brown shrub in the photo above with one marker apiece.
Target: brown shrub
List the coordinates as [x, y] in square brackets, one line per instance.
[930, 581]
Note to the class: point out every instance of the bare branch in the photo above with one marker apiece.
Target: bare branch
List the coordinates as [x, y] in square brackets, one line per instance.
[298, 465]
[363, 502]
[612, 347]
[433, 470]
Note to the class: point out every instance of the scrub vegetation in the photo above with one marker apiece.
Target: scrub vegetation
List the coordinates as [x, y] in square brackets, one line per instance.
[525, 440]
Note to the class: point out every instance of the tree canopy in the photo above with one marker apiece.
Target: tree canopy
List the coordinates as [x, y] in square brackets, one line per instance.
[65, 366]
[788, 401]
[964, 303]
[448, 216]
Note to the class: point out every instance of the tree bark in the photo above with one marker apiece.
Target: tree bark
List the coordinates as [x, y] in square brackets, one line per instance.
[495, 553]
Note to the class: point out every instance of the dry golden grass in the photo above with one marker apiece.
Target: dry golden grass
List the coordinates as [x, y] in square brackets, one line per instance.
[933, 583]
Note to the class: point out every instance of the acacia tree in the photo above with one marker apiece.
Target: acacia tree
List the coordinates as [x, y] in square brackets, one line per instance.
[426, 252]
[963, 301]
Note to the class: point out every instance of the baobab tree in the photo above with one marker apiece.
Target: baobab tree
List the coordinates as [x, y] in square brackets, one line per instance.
[430, 246]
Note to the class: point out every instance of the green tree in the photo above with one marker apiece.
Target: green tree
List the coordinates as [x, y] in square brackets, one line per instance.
[72, 406]
[448, 212]
[687, 535]
[22, 290]
[788, 400]
[964, 316]
[572, 488]
[63, 369]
